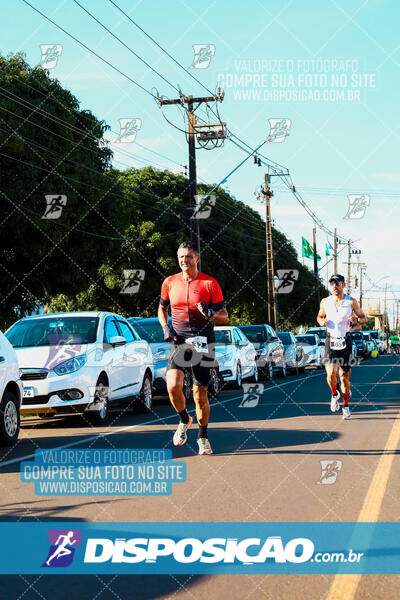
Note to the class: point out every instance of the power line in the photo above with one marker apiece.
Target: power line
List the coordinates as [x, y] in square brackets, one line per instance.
[89, 49]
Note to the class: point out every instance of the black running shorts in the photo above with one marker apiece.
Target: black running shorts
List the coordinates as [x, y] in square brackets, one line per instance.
[184, 356]
[338, 357]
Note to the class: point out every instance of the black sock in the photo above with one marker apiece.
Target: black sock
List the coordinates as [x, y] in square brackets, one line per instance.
[202, 431]
[184, 415]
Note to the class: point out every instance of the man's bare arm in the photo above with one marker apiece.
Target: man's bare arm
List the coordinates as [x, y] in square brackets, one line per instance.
[162, 315]
[220, 317]
[321, 317]
[357, 310]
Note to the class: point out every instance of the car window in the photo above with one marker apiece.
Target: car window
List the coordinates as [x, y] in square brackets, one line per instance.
[110, 329]
[223, 336]
[254, 333]
[271, 333]
[285, 338]
[126, 331]
[53, 331]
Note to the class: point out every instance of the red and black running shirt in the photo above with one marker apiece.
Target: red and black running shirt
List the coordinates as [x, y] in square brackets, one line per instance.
[183, 295]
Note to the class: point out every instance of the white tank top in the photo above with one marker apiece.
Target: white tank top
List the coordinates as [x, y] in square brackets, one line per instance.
[338, 318]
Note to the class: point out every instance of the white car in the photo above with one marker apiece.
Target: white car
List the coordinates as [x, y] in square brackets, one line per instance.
[314, 349]
[235, 354]
[81, 362]
[10, 393]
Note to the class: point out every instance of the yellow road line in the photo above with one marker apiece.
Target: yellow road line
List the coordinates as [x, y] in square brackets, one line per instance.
[345, 586]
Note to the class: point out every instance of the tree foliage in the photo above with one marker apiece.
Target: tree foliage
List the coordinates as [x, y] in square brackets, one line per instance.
[134, 219]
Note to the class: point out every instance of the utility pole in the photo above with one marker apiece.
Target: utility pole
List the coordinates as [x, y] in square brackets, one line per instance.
[385, 327]
[348, 266]
[211, 134]
[335, 252]
[271, 307]
[362, 267]
[317, 294]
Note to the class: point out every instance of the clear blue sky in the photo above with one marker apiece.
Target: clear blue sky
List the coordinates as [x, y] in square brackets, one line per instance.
[349, 144]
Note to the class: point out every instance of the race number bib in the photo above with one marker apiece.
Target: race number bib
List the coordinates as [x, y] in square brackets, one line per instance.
[199, 342]
[338, 343]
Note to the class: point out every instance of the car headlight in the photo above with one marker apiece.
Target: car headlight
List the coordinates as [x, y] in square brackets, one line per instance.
[224, 358]
[70, 365]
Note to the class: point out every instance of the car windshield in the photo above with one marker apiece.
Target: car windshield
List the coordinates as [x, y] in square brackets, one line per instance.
[308, 340]
[151, 331]
[367, 336]
[223, 336]
[53, 331]
[320, 332]
[374, 335]
[356, 335]
[285, 338]
[254, 333]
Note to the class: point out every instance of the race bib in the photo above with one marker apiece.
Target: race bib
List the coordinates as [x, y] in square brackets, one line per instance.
[199, 342]
[338, 343]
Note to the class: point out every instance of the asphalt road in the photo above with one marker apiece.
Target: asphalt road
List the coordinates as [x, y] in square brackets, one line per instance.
[265, 467]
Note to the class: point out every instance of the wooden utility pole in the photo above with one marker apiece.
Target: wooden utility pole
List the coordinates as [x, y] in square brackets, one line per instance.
[349, 266]
[317, 294]
[192, 105]
[362, 267]
[271, 308]
[385, 319]
[335, 252]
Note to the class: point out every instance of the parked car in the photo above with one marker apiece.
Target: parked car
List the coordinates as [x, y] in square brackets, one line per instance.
[319, 331]
[269, 348]
[236, 355]
[372, 345]
[151, 331]
[360, 343]
[383, 343]
[314, 349]
[10, 393]
[81, 362]
[294, 353]
[379, 340]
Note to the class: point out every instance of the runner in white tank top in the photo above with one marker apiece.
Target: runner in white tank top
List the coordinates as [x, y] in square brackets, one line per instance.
[337, 313]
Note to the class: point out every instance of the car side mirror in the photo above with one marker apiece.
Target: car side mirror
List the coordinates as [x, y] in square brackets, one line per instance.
[242, 344]
[117, 340]
[274, 339]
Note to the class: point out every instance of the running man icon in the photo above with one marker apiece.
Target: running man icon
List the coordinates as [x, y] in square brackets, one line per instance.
[62, 547]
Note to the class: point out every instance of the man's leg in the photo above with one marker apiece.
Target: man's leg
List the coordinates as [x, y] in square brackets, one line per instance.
[331, 377]
[177, 398]
[346, 390]
[175, 389]
[202, 408]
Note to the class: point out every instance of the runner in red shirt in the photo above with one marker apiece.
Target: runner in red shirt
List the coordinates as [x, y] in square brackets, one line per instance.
[196, 305]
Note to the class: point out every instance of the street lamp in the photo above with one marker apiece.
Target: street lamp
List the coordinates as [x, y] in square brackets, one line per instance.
[276, 286]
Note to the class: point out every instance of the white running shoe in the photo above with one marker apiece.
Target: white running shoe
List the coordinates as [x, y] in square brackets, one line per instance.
[180, 435]
[346, 412]
[335, 402]
[204, 446]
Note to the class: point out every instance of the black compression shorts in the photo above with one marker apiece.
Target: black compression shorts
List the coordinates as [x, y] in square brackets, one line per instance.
[338, 357]
[184, 356]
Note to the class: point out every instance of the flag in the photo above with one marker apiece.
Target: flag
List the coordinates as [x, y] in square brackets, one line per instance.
[307, 249]
[328, 248]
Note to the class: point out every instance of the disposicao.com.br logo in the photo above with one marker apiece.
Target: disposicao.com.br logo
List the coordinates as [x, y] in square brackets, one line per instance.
[247, 551]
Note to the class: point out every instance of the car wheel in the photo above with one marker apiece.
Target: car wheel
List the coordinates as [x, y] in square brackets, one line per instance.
[283, 371]
[102, 414]
[9, 419]
[214, 386]
[238, 381]
[255, 376]
[144, 402]
[188, 386]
